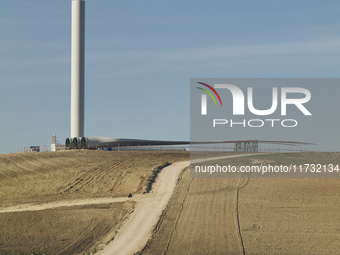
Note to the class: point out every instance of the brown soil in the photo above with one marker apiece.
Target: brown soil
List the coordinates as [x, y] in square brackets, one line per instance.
[290, 216]
[68, 230]
[201, 218]
[204, 216]
[47, 176]
[255, 216]
[61, 178]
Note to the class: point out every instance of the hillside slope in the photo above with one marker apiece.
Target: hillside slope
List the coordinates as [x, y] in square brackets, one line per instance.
[42, 179]
[47, 176]
[252, 216]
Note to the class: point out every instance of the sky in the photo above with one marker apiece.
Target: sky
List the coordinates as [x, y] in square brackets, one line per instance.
[140, 56]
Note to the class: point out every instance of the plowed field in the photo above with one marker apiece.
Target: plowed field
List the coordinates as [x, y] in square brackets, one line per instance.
[47, 177]
[45, 182]
[68, 230]
[252, 216]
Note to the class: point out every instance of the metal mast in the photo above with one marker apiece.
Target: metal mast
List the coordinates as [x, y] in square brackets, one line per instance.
[78, 68]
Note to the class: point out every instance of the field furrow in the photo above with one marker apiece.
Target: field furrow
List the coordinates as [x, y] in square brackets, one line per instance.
[200, 219]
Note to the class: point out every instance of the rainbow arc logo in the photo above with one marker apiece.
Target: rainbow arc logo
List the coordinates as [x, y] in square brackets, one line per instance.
[204, 97]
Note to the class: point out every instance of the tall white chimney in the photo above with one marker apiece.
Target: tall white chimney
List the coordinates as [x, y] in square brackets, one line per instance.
[78, 68]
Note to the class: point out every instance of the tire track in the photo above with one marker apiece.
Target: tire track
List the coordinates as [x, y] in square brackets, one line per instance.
[79, 182]
[203, 220]
[234, 239]
[238, 222]
[179, 215]
[79, 238]
[39, 207]
[135, 233]
[148, 208]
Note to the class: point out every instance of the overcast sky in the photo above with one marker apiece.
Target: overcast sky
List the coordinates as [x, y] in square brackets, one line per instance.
[140, 56]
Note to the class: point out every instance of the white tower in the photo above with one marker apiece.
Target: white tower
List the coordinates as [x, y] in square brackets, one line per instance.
[78, 68]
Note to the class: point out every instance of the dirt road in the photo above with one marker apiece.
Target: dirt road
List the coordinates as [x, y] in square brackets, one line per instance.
[40, 207]
[181, 215]
[201, 218]
[40, 178]
[70, 193]
[136, 232]
[133, 236]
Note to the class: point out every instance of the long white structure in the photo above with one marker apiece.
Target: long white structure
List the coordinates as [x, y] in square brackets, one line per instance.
[101, 142]
[78, 68]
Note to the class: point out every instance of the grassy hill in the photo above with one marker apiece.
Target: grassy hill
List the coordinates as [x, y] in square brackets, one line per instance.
[47, 176]
[39, 178]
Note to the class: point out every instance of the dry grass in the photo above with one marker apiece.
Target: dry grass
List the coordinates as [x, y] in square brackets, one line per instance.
[46, 177]
[39, 178]
[68, 230]
[204, 216]
[259, 216]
